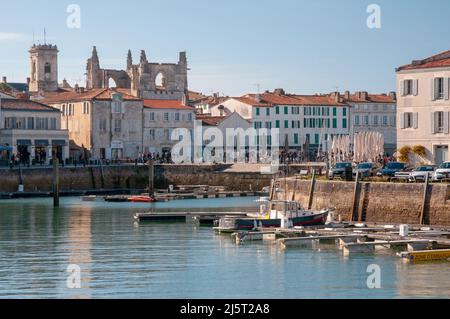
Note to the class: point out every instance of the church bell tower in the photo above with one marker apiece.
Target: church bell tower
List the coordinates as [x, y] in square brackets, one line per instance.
[44, 68]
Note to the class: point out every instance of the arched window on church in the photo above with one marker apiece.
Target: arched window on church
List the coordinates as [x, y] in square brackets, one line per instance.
[160, 81]
[112, 84]
[47, 70]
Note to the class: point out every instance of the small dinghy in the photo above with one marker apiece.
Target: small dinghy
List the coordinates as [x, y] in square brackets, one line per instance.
[141, 199]
[90, 198]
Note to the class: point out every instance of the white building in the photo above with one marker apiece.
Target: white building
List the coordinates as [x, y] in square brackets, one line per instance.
[160, 118]
[303, 120]
[374, 113]
[32, 131]
[423, 106]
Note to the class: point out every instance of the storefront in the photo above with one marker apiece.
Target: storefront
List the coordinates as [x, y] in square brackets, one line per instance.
[58, 149]
[117, 150]
[23, 151]
[5, 155]
[41, 151]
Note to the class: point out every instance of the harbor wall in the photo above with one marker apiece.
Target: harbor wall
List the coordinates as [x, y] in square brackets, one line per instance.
[377, 202]
[131, 177]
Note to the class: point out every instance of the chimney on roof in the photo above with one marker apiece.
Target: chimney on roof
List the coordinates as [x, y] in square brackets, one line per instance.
[347, 95]
[77, 88]
[393, 95]
[4, 79]
[279, 91]
[337, 97]
[365, 96]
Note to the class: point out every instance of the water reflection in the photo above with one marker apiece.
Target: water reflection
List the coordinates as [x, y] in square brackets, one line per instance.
[419, 280]
[79, 248]
[119, 259]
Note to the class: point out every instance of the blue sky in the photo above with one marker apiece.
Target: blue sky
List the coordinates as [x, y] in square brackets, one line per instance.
[302, 46]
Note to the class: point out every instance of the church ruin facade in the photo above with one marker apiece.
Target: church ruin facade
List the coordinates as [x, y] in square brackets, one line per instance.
[147, 80]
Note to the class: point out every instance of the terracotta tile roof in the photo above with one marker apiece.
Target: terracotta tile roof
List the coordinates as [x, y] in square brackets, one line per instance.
[372, 98]
[88, 95]
[251, 99]
[436, 61]
[25, 105]
[196, 96]
[211, 120]
[269, 99]
[166, 104]
[325, 100]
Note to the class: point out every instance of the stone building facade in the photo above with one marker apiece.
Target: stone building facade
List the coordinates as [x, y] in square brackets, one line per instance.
[107, 123]
[142, 78]
[160, 118]
[374, 113]
[44, 68]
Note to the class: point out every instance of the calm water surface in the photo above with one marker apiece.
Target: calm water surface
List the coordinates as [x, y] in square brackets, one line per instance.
[120, 259]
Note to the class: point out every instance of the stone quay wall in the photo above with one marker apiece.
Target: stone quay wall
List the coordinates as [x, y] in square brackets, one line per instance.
[131, 177]
[377, 203]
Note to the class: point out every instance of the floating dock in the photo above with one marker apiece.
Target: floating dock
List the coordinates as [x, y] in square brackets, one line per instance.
[184, 216]
[420, 243]
[426, 255]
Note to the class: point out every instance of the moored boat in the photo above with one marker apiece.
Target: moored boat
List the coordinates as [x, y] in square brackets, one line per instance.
[141, 199]
[90, 198]
[275, 214]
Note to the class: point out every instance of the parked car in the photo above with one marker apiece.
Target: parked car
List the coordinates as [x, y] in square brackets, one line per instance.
[339, 170]
[365, 169]
[442, 172]
[420, 173]
[390, 169]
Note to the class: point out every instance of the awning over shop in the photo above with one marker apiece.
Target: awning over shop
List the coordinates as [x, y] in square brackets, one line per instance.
[41, 143]
[58, 143]
[24, 143]
[6, 148]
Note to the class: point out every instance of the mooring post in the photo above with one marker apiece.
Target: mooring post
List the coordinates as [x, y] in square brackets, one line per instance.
[425, 197]
[355, 199]
[102, 176]
[151, 177]
[55, 182]
[311, 190]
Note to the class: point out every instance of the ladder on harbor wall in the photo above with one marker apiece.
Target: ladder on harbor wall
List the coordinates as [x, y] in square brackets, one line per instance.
[365, 203]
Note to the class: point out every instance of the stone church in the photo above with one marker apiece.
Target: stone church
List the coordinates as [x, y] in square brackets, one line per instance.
[147, 80]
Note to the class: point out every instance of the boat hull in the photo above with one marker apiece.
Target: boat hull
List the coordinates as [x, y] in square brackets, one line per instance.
[141, 199]
[243, 224]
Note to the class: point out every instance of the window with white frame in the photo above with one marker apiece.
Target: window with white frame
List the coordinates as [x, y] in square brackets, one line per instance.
[152, 116]
[177, 116]
[375, 120]
[356, 120]
[117, 107]
[440, 122]
[408, 87]
[439, 89]
[152, 134]
[117, 125]
[409, 120]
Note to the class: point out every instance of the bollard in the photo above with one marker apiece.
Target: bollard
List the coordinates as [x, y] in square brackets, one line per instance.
[311, 191]
[55, 182]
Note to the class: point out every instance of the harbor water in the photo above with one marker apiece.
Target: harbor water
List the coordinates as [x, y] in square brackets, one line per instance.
[121, 259]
